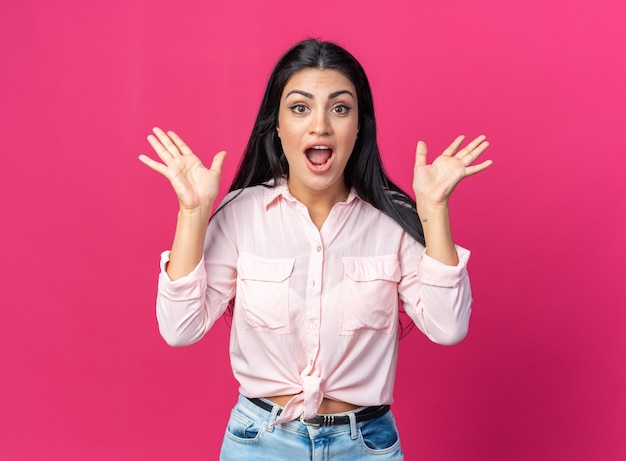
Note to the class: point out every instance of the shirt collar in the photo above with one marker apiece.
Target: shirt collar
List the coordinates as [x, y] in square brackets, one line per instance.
[272, 193]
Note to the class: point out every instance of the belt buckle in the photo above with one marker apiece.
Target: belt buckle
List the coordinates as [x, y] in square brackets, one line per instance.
[327, 421]
[307, 423]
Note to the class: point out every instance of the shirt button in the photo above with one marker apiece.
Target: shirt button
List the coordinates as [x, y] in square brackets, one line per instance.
[318, 248]
[313, 325]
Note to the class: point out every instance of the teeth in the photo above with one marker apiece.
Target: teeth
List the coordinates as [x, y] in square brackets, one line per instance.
[320, 147]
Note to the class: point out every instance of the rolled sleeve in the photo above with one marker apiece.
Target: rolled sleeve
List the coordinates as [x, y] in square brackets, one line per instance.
[432, 272]
[184, 289]
[181, 313]
[438, 297]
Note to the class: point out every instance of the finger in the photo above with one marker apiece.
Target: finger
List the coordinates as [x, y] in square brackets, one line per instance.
[218, 161]
[156, 166]
[470, 157]
[472, 170]
[471, 146]
[421, 152]
[452, 148]
[166, 141]
[161, 151]
[180, 144]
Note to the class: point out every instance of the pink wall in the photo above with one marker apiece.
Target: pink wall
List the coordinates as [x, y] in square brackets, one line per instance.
[85, 374]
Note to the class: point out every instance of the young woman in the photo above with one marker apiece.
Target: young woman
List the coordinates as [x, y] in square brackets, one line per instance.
[311, 249]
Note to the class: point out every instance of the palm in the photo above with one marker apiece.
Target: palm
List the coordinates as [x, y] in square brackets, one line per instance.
[435, 182]
[194, 184]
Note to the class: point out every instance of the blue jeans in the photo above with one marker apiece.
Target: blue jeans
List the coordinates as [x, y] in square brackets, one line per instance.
[248, 437]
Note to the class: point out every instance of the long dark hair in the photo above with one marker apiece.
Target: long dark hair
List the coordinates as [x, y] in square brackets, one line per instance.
[263, 159]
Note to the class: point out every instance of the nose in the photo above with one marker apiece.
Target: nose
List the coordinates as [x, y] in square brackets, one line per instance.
[320, 123]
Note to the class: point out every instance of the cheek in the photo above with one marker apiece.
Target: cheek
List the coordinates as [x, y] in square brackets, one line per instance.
[280, 124]
[351, 136]
[285, 139]
[290, 135]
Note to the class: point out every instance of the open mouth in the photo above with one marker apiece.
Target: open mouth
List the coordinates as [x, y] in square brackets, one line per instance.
[318, 156]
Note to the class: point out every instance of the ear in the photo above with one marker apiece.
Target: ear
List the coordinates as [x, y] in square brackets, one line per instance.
[278, 130]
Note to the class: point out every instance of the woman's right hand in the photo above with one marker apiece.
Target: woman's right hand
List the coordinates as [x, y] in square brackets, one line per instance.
[195, 185]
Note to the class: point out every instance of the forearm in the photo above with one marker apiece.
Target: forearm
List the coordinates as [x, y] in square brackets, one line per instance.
[187, 304]
[437, 233]
[188, 243]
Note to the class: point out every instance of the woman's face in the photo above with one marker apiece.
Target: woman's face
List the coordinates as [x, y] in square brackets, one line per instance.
[318, 122]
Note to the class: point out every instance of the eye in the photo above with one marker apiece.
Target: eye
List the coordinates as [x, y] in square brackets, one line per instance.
[298, 108]
[341, 109]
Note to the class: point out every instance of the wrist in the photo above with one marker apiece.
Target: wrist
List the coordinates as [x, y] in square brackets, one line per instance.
[426, 209]
[198, 214]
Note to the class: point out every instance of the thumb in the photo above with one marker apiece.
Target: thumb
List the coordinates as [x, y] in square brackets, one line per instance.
[420, 153]
[218, 161]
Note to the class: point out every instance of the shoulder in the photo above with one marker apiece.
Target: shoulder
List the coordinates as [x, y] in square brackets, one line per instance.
[248, 200]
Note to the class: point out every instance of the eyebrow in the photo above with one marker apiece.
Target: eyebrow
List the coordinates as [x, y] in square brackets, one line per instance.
[310, 96]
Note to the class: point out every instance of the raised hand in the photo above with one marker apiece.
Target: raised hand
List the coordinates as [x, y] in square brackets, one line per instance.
[434, 183]
[195, 185]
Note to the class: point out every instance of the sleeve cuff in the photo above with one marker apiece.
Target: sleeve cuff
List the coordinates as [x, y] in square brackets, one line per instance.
[433, 272]
[185, 288]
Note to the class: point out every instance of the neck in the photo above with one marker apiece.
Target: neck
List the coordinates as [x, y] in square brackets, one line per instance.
[319, 203]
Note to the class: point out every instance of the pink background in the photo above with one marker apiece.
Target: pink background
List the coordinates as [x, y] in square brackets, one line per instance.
[85, 374]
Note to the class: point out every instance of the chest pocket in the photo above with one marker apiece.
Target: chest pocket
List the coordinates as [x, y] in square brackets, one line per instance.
[263, 293]
[369, 296]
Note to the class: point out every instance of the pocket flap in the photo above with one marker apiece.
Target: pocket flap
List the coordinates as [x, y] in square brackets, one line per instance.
[369, 269]
[252, 267]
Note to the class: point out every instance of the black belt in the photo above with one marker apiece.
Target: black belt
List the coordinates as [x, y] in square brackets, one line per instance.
[330, 420]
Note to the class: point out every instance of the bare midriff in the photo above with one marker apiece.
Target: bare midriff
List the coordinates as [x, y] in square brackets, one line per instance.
[328, 406]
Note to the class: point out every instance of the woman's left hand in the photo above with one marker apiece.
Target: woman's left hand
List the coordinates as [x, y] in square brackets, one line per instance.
[434, 183]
